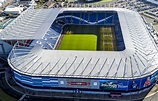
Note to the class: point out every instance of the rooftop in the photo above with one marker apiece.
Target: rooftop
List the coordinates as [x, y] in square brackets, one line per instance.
[139, 59]
[31, 24]
[153, 1]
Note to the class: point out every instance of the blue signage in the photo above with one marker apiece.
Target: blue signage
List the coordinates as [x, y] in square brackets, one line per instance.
[114, 84]
[154, 77]
[108, 84]
[134, 84]
[145, 82]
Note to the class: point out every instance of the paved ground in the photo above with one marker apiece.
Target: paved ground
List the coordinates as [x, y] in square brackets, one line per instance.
[104, 1]
[153, 94]
[5, 97]
[152, 98]
[150, 20]
[5, 4]
[156, 27]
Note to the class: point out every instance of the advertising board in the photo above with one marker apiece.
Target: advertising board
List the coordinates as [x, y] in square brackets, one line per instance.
[114, 85]
[78, 83]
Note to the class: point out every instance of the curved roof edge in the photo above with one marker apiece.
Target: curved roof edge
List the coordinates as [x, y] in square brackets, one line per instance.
[139, 59]
[31, 24]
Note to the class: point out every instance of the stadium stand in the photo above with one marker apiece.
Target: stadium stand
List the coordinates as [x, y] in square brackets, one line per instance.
[82, 18]
[113, 71]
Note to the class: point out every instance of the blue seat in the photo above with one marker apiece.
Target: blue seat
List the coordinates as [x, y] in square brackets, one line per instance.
[92, 17]
[75, 21]
[101, 23]
[52, 41]
[67, 13]
[68, 20]
[85, 16]
[61, 14]
[109, 20]
[77, 14]
[56, 28]
[46, 46]
[101, 16]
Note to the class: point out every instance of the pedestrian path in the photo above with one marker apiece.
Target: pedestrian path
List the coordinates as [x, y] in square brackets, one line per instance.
[152, 95]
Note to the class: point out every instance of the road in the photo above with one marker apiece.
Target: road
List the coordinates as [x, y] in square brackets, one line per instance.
[151, 20]
[152, 98]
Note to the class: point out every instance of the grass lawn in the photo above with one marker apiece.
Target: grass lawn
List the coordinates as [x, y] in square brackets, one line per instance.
[106, 0]
[79, 42]
[156, 27]
[5, 97]
[103, 1]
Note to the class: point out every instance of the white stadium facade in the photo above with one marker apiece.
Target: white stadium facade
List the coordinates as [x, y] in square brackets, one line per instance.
[36, 64]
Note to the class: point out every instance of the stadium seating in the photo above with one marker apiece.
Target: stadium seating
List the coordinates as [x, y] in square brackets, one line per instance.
[75, 21]
[81, 18]
[102, 18]
[93, 17]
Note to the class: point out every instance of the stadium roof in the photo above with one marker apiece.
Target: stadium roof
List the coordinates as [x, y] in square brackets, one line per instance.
[31, 24]
[139, 59]
[153, 1]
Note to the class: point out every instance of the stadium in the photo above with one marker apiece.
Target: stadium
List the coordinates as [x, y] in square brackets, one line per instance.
[90, 50]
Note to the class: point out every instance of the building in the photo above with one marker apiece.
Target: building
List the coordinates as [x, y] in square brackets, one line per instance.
[2, 2]
[153, 1]
[37, 64]
[13, 10]
[84, 1]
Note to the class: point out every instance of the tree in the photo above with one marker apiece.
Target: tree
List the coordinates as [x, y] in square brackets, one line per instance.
[42, 1]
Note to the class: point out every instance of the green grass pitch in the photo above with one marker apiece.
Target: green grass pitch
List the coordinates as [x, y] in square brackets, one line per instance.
[79, 42]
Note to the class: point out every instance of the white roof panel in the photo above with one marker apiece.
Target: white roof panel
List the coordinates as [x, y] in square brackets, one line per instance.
[137, 60]
[31, 24]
